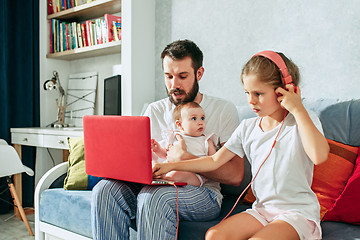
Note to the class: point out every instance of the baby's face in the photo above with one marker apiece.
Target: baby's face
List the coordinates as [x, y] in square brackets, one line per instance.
[193, 121]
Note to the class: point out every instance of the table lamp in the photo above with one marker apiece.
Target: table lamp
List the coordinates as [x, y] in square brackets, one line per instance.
[54, 83]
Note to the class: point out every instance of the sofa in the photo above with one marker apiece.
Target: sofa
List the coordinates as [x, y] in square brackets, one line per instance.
[65, 214]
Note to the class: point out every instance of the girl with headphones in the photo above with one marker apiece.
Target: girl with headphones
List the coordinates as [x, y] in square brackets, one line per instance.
[282, 145]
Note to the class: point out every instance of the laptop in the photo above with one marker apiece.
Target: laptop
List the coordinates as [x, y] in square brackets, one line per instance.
[119, 147]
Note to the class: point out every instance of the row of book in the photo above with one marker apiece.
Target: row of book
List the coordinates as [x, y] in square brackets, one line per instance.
[55, 6]
[66, 36]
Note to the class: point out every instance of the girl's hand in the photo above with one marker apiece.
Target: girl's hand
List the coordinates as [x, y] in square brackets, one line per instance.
[290, 99]
[159, 169]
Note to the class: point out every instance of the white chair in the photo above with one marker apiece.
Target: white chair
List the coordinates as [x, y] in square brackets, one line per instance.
[11, 164]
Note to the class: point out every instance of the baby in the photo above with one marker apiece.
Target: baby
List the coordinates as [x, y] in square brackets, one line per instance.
[190, 120]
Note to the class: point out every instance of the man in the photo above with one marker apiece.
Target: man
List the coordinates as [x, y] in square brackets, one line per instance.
[115, 203]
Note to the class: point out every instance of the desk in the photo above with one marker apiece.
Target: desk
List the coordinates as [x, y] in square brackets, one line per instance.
[41, 137]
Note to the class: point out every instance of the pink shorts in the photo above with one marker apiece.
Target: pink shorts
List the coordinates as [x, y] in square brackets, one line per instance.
[306, 229]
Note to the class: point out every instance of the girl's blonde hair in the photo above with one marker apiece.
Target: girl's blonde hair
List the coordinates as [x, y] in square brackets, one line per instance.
[268, 72]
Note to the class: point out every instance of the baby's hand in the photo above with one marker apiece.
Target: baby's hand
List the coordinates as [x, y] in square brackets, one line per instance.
[154, 145]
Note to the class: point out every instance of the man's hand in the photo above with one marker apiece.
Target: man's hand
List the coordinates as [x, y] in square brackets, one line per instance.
[176, 152]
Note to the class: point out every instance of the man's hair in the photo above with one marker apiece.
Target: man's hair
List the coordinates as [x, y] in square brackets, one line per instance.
[181, 106]
[180, 49]
[268, 72]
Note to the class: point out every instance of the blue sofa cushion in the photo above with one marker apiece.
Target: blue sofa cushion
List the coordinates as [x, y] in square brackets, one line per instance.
[341, 122]
[340, 231]
[67, 209]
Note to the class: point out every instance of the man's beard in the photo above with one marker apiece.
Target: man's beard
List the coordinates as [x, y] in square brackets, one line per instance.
[189, 97]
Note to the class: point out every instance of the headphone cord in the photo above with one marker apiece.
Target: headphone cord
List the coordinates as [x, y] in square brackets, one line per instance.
[248, 186]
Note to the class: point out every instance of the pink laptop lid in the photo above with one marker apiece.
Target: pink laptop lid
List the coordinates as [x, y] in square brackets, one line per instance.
[118, 147]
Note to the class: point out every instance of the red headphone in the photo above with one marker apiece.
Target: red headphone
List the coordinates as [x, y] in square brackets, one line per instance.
[279, 62]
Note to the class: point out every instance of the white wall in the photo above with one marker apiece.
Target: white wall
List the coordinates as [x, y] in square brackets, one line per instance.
[103, 65]
[322, 37]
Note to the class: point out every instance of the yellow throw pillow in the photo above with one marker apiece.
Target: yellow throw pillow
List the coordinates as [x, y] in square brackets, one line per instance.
[76, 178]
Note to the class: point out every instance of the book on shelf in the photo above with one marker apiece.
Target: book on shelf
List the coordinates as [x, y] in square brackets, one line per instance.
[50, 8]
[67, 35]
[110, 21]
[55, 6]
[61, 38]
[117, 31]
[89, 36]
[83, 35]
[79, 35]
[70, 35]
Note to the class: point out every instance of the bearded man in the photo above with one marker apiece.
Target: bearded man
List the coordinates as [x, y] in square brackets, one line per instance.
[116, 203]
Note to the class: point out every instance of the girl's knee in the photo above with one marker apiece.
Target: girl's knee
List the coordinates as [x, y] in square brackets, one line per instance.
[214, 234]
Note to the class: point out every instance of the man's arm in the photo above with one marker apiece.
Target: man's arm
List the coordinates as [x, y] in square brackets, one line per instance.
[230, 173]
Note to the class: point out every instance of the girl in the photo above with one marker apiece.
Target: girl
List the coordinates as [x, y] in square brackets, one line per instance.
[282, 144]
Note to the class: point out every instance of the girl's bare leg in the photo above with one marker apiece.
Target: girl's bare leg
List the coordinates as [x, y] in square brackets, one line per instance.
[239, 226]
[277, 230]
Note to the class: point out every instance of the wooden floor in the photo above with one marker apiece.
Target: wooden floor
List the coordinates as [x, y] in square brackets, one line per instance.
[12, 228]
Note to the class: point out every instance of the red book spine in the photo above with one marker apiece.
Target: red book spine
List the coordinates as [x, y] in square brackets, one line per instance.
[88, 34]
[109, 21]
[67, 36]
[50, 8]
[84, 38]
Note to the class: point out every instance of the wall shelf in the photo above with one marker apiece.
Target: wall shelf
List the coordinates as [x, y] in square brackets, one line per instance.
[85, 52]
[88, 11]
[81, 13]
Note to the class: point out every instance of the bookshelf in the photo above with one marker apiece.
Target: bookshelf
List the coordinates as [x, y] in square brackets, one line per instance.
[135, 53]
[85, 52]
[87, 11]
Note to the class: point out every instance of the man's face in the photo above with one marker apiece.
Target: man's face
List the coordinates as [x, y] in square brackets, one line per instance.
[180, 80]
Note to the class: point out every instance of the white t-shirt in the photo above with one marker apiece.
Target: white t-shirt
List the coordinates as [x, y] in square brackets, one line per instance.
[221, 119]
[284, 181]
[197, 146]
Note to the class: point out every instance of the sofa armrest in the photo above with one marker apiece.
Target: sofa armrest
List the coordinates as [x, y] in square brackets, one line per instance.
[43, 184]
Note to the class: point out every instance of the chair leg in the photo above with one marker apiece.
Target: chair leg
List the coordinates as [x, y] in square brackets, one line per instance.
[20, 208]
